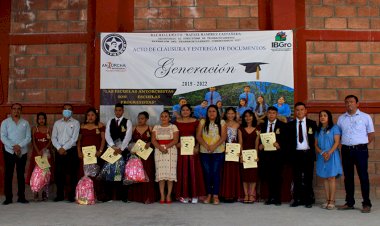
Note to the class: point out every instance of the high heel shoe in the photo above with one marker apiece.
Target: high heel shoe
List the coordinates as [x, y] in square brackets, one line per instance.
[207, 200]
[331, 205]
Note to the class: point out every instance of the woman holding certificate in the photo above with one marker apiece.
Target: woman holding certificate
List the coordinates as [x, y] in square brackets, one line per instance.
[211, 135]
[91, 133]
[250, 140]
[143, 192]
[231, 183]
[329, 167]
[190, 184]
[41, 146]
[164, 139]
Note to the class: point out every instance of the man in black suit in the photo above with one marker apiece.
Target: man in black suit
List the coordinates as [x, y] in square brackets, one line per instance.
[301, 144]
[271, 162]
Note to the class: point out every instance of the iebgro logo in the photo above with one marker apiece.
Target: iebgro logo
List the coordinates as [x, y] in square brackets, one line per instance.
[114, 44]
[279, 42]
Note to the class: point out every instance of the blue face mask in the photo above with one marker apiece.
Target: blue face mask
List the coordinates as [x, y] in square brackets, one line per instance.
[67, 113]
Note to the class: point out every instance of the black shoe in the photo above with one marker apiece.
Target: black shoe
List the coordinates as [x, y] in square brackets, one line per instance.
[295, 204]
[277, 203]
[125, 200]
[24, 201]
[71, 200]
[366, 209]
[346, 207]
[269, 202]
[58, 199]
[7, 202]
[309, 205]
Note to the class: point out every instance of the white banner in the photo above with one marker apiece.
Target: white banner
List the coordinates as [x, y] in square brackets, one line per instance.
[149, 68]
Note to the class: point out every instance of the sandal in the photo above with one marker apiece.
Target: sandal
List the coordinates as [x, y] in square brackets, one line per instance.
[246, 199]
[331, 205]
[216, 200]
[207, 200]
[35, 197]
[324, 205]
[252, 199]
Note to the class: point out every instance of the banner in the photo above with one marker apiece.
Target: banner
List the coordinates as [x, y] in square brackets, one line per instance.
[152, 71]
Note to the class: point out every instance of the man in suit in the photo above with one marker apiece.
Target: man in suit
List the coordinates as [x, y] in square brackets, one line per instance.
[212, 96]
[271, 161]
[301, 143]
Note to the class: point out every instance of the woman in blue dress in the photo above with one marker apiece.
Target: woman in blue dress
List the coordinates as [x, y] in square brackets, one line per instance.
[329, 166]
[242, 108]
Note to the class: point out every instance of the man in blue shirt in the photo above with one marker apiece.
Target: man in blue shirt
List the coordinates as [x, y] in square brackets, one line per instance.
[177, 109]
[212, 96]
[357, 132]
[200, 111]
[249, 97]
[15, 135]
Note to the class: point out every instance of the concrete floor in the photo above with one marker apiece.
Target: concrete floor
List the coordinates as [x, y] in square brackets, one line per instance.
[119, 213]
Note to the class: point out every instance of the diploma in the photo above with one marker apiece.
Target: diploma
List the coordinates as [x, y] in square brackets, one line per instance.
[42, 162]
[232, 152]
[139, 149]
[109, 156]
[187, 145]
[249, 158]
[268, 139]
[89, 156]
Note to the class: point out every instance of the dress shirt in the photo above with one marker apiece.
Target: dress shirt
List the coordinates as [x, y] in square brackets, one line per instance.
[65, 133]
[127, 138]
[200, 112]
[251, 103]
[215, 97]
[305, 144]
[269, 125]
[283, 110]
[355, 128]
[13, 133]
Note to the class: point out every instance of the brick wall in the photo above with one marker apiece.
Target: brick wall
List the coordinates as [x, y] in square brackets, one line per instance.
[154, 15]
[343, 14]
[50, 73]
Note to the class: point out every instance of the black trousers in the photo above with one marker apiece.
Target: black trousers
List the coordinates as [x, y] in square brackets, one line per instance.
[66, 165]
[351, 157]
[10, 160]
[271, 170]
[303, 169]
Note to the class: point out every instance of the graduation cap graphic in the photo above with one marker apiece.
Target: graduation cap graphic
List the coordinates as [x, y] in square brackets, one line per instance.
[253, 67]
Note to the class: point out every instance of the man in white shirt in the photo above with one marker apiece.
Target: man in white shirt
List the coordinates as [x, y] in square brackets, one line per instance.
[357, 132]
[15, 135]
[118, 135]
[64, 137]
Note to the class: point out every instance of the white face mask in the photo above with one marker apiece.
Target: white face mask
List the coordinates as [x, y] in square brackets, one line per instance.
[67, 113]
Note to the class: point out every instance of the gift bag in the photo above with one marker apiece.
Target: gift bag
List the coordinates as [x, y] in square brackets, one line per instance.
[84, 192]
[112, 172]
[134, 171]
[91, 170]
[39, 179]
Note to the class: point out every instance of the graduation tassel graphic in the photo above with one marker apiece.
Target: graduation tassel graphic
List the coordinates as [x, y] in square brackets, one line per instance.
[253, 67]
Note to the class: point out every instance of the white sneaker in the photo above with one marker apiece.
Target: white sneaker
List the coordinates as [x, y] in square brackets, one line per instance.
[183, 200]
[194, 200]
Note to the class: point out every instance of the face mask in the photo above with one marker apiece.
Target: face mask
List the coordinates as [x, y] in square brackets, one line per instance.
[67, 113]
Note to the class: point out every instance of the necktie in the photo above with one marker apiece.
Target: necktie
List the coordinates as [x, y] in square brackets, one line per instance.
[117, 122]
[211, 97]
[246, 98]
[300, 133]
[270, 127]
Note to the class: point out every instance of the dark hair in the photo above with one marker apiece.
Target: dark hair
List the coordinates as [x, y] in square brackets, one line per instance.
[42, 114]
[264, 104]
[217, 120]
[67, 104]
[244, 123]
[93, 110]
[241, 100]
[144, 113]
[229, 109]
[165, 111]
[330, 122]
[16, 104]
[189, 107]
[217, 103]
[299, 104]
[181, 98]
[272, 108]
[119, 105]
[352, 96]
[247, 86]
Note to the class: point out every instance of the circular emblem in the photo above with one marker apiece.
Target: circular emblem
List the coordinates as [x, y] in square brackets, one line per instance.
[114, 44]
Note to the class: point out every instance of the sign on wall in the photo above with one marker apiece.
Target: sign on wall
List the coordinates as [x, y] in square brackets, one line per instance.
[150, 71]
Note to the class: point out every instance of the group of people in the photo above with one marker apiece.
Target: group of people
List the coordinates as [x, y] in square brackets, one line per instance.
[205, 174]
[247, 101]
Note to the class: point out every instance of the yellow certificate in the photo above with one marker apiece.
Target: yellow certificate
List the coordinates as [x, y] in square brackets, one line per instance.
[139, 149]
[42, 162]
[89, 156]
[232, 152]
[249, 158]
[268, 139]
[187, 145]
[109, 156]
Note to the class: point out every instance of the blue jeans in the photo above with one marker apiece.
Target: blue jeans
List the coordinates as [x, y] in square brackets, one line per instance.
[212, 166]
[356, 156]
